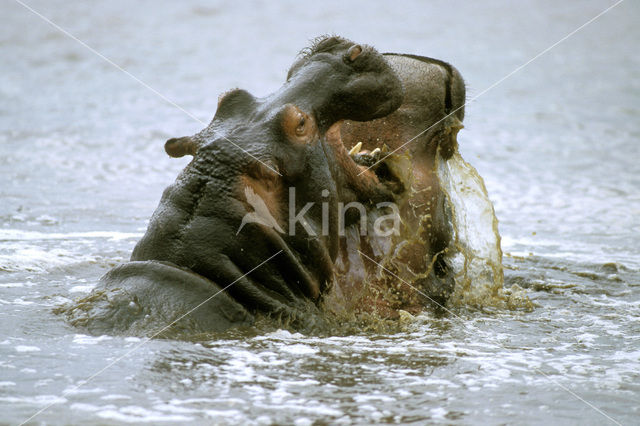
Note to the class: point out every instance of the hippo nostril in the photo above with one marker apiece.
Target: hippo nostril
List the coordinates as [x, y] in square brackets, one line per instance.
[353, 52]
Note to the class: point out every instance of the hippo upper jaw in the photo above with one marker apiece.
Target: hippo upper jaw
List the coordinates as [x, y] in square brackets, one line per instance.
[368, 87]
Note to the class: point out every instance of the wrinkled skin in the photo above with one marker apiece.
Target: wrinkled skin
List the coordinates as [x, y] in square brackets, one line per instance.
[192, 249]
[422, 129]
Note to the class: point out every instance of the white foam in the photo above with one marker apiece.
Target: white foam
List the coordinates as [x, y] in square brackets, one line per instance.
[75, 390]
[21, 235]
[83, 339]
[115, 397]
[303, 421]
[299, 349]
[280, 335]
[39, 400]
[82, 288]
[134, 414]
[222, 413]
[11, 285]
[627, 356]
[21, 302]
[24, 348]
[366, 398]
[308, 407]
[80, 406]
[38, 259]
[438, 412]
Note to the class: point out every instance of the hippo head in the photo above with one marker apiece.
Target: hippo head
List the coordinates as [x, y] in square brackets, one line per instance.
[334, 80]
[267, 175]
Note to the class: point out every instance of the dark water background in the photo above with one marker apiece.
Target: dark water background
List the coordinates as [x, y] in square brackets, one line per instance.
[82, 169]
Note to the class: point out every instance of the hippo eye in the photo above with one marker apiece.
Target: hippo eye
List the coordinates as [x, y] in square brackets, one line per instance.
[297, 125]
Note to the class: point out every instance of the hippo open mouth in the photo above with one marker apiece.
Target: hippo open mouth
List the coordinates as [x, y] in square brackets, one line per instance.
[411, 266]
[255, 223]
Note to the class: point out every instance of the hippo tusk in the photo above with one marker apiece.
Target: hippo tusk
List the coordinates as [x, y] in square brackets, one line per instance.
[449, 143]
[453, 128]
[356, 149]
[454, 125]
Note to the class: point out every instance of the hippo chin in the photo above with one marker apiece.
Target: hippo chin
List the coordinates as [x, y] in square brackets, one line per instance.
[258, 223]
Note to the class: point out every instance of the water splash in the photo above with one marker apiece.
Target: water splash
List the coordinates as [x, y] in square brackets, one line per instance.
[476, 256]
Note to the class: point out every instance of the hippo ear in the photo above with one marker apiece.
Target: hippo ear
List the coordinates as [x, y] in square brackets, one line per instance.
[178, 147]
[353, 52]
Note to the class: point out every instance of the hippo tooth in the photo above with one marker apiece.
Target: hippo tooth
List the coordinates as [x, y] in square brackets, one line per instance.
[356, 149]
[375, 152]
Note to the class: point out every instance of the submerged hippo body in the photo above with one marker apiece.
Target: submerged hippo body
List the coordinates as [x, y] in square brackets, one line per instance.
[222, 248]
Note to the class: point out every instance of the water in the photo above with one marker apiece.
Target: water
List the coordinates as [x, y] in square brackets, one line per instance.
[82, 169]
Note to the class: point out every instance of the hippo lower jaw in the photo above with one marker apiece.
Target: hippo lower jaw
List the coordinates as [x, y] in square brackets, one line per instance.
[357, 181]
[143, 297]
[129, 300]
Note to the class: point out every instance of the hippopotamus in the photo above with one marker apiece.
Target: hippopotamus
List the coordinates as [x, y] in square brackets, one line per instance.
[256, 226]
